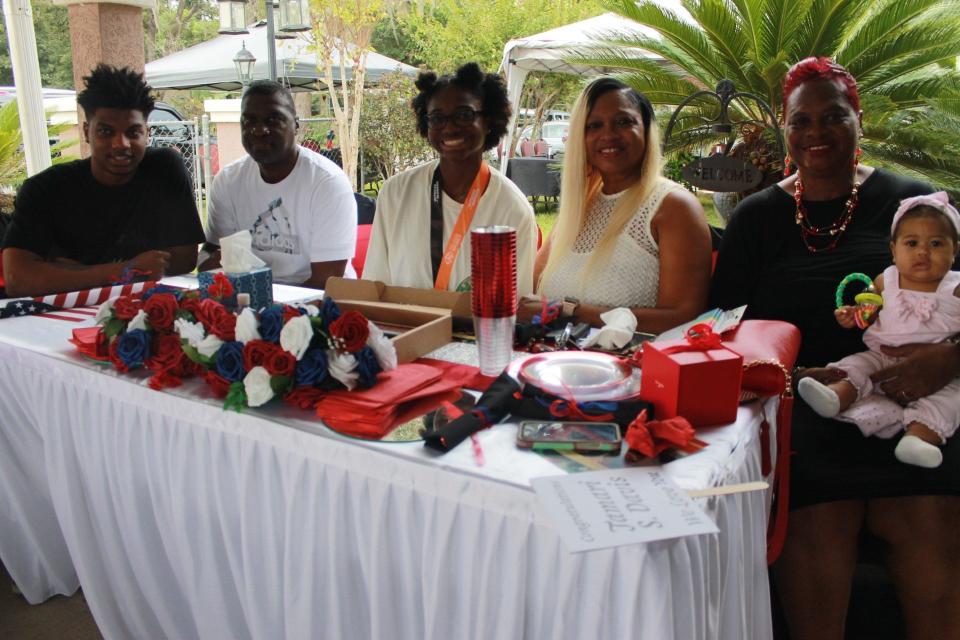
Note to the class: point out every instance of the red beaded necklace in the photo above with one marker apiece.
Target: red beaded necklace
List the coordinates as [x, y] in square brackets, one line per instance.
[809, 232]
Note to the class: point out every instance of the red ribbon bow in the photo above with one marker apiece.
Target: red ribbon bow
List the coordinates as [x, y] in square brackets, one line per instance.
[652, 437]
[568, 408]
[699, 337]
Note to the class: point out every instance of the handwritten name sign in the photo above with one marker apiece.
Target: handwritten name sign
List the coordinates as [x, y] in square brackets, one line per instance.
[619, 507]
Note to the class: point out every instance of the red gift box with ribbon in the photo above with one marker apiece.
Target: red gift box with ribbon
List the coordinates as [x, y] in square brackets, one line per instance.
[696, 377]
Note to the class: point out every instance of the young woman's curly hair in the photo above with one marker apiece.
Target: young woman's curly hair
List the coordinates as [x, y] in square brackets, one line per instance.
[487, 87]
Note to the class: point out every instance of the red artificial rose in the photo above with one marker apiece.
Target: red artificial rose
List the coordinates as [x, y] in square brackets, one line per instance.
[187, 367]
[219, 385]
[164, 380]
[257, 352]
[118, 364]
[220, 287]
[280, 363]
[350, 331]
[125, 307]
[304, 397]
[217, 320]
[289, 313]
[161, 309]
[167, 352]
[191, 304]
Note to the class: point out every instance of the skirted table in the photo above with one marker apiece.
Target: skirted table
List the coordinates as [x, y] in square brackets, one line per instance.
[181, 520]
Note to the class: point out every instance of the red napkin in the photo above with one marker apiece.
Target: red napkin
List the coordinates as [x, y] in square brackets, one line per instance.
[399, 396]
[467, 376]
[89, 342]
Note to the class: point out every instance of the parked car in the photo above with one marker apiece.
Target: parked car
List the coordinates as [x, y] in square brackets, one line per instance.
[554, 133]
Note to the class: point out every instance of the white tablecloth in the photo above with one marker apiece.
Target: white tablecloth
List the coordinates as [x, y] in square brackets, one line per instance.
[181, 520]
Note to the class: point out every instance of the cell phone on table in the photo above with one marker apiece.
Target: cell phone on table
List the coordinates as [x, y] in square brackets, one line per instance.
[569, 436]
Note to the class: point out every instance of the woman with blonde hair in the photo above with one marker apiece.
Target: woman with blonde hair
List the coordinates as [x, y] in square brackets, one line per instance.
[625, 236]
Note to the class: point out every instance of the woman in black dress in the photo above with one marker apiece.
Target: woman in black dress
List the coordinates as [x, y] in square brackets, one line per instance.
[784, 253]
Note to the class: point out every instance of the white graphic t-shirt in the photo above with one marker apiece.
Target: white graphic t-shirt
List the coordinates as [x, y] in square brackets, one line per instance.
[309, 216]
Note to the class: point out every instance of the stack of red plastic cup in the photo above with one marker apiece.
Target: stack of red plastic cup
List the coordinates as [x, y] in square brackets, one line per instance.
[493, 263]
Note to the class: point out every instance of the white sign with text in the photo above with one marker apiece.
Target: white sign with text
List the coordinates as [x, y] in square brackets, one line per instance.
[601, 509]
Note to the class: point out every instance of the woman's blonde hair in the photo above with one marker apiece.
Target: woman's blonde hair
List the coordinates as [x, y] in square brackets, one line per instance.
[581, 183]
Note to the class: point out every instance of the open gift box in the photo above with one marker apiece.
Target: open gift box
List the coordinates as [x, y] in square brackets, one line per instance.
[700, 383]
[417, 320]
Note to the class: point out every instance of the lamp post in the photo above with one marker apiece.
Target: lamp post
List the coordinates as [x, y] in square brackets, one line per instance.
[294, 16]
[244, 61]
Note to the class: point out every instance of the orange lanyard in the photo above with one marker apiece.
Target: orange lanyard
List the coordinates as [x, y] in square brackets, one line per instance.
[461, 227]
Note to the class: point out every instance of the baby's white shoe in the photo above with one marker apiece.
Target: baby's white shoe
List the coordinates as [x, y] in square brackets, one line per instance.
[913, 450]
[820, 397]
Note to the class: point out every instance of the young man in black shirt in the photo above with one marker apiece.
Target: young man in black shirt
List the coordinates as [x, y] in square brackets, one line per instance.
[124, 211]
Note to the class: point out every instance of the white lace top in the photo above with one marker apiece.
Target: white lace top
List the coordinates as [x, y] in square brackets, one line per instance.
[631, 275]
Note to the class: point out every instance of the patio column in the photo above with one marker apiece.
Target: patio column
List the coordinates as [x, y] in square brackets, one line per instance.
[108, 32]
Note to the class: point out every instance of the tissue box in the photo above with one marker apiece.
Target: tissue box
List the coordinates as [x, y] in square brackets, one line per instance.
[701, 386]
[258, 283]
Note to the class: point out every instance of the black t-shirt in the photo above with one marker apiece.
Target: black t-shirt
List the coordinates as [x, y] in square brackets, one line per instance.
[63, 212]
[764, 263]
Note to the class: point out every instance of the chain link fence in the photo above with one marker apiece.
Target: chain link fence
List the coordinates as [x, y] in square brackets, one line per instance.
[184, 136]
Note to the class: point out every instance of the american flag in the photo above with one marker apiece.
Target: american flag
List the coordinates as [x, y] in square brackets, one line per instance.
[72, 306]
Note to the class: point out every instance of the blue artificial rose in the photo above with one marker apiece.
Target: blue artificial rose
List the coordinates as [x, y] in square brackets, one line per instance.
[161, 288]
[133, 347]
[311, 369]
[271, 322]
[329, 311]
[367, 367]
[230, 361]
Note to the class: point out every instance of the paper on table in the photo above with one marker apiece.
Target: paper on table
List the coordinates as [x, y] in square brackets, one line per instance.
[601, 509]
[718, 320]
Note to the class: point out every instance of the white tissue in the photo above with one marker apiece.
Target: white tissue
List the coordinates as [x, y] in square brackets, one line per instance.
[618, 327]
[236, 253]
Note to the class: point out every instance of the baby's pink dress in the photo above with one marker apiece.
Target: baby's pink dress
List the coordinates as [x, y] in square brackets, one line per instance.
[907, 317]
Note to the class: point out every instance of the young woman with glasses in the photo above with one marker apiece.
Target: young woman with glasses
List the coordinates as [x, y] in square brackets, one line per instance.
[421, 209]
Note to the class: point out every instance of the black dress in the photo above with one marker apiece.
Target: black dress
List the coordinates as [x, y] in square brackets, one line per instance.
[764, 263]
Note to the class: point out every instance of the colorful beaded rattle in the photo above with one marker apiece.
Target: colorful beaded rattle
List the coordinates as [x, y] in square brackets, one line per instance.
[868, 301]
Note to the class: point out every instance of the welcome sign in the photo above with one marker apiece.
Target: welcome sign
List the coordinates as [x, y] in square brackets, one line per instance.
[722, 173]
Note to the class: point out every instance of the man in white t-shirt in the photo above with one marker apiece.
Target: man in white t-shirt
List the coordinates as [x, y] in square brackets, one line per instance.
[298, 205]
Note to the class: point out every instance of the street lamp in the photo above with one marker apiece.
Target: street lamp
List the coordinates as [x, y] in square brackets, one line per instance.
[294, 16]
[232, 20]
[244, 62]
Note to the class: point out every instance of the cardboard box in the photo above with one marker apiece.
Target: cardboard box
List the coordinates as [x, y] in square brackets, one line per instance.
[424, 316]
[701, 386]
[258, 283]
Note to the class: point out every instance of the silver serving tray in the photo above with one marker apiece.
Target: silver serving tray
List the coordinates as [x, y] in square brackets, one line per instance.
[585, 375]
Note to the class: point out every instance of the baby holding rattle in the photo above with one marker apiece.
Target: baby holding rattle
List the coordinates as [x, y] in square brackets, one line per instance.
[920, 303]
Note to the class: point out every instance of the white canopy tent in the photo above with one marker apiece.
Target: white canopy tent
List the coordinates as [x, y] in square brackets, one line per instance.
[548, 51]
[209, 65]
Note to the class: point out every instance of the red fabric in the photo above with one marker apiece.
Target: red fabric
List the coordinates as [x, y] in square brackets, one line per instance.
[396, 398]
[363, 240]
[652, 437]
[2, 281]
[465, 375]
[91, 342]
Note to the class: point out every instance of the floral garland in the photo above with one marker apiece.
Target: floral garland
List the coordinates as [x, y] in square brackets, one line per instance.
[297, 352]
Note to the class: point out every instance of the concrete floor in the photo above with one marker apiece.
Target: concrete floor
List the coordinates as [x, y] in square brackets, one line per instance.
[58, 618]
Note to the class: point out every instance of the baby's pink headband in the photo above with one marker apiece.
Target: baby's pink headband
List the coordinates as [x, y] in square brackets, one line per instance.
[938, 201]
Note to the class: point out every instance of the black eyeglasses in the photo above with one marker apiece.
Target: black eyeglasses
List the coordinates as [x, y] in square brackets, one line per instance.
[462, 116]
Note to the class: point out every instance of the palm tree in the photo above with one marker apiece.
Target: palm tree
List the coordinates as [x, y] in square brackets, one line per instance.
[902, 52]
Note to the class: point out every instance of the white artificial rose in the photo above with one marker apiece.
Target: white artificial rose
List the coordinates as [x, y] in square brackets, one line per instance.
[138, 321]
[343, 368]
[104, 311]
[257, 385]
[312, 310]
[247, 326]
[209, 346]
[192, 332]
[382, 348]
[296, 335]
